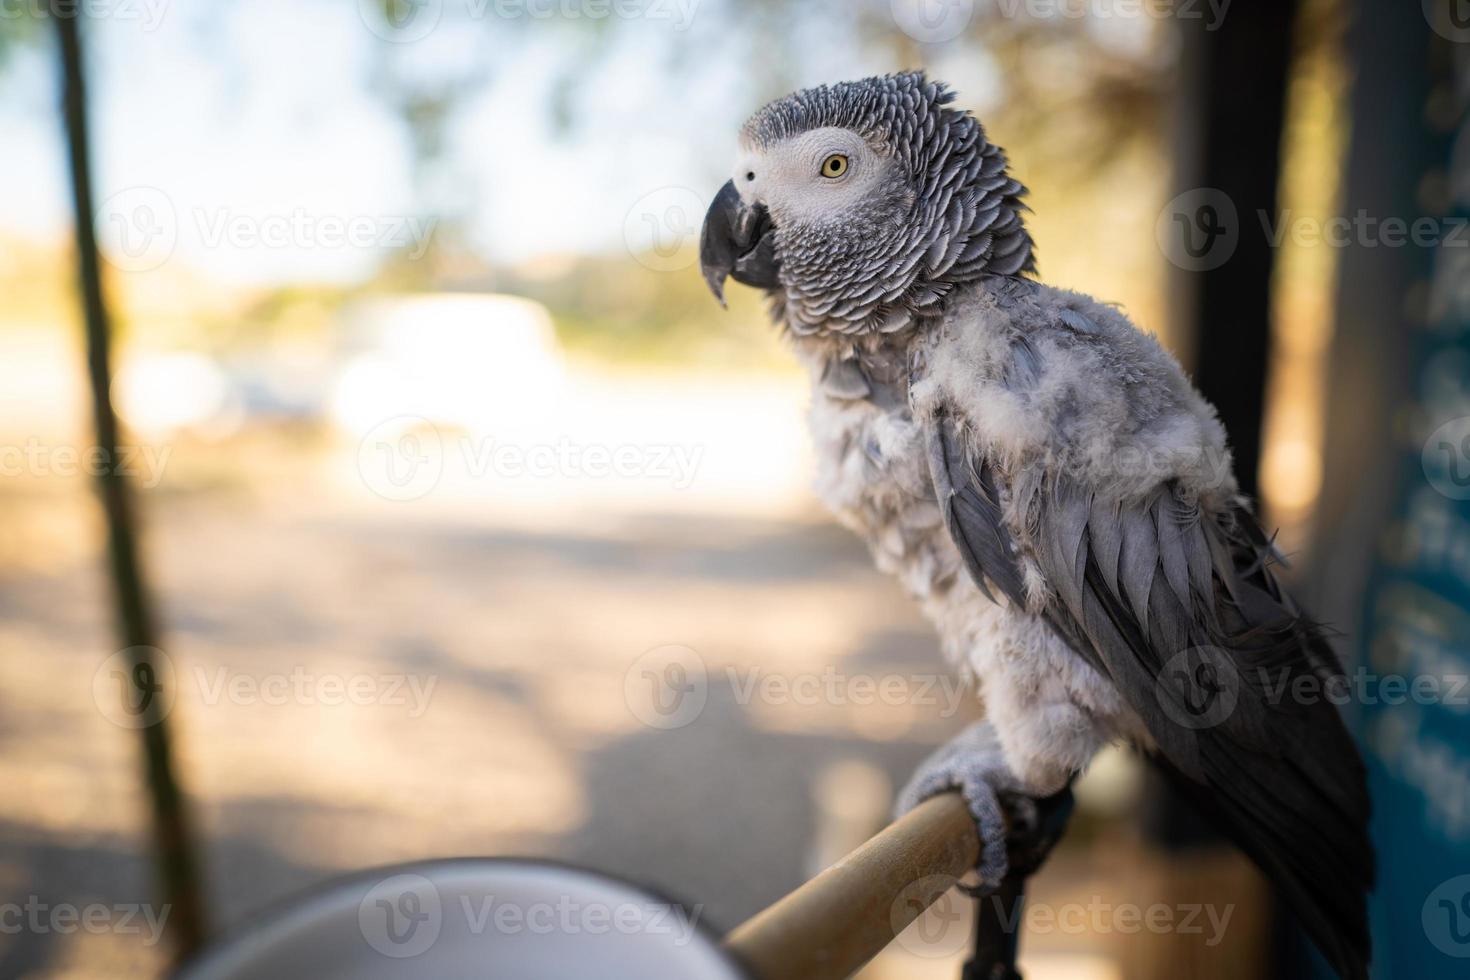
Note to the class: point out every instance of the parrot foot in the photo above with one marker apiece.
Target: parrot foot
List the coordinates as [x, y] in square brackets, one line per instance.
[1017, 831]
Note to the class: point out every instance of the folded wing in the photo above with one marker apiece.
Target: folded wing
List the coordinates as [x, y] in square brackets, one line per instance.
[1179, 606]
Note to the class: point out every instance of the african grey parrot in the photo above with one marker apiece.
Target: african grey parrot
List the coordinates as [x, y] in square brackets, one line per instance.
[1042, 476]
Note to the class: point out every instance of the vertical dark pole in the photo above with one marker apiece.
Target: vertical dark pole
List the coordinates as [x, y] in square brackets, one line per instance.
[136, 628]
[1237, 88]
[1229, 113]
[999, 916]
[998, 933]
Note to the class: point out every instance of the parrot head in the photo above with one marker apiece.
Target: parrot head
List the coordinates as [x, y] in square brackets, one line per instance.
[860, 205]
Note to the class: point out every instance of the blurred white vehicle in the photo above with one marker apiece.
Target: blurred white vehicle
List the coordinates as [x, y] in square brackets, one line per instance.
[477, 362]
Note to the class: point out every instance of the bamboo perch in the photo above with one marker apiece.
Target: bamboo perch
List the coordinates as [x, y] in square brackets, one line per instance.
[842, 918]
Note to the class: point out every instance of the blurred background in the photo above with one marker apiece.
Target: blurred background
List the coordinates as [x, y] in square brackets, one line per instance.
[442, 459]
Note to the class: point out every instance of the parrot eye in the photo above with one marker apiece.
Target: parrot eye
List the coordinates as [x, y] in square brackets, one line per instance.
[834, 166]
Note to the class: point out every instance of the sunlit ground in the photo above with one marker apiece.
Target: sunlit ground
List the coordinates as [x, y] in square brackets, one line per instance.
[494, 620]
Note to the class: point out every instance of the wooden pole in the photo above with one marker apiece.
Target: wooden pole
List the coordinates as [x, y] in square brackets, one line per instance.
[135, 623]
[842, 918]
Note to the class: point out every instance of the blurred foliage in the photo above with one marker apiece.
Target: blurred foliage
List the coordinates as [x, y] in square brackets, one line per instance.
[16, 31]
[1072, 98]
[1079, 102]
[1072, 93]
[35, 281]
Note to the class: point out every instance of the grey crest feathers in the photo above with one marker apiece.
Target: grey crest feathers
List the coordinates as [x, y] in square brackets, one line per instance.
[956, 217]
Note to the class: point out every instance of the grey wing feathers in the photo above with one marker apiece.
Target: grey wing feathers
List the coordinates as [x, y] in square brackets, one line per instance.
[971, 508]
[1180, 607]
[968, 497]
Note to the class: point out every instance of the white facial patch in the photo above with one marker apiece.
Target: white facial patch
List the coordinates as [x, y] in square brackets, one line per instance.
[788, 177]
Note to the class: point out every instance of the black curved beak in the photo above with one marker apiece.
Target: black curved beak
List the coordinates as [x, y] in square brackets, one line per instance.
[737, 241]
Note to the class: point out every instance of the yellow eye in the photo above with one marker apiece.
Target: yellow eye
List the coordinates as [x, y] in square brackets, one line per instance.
[834, 166]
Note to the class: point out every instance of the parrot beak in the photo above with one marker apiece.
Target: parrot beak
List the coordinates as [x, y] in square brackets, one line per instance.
[738, 240]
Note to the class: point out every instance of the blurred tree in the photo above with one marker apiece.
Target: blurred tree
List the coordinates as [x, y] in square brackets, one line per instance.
[14, 32]
[1074, 94]
[135, 620]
